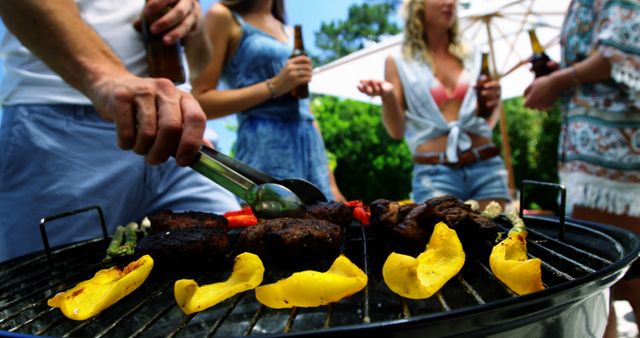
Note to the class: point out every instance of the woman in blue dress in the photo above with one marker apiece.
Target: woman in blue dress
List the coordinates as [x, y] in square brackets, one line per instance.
[277, 133]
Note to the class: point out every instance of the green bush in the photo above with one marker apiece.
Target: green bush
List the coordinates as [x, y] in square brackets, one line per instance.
[371, 165]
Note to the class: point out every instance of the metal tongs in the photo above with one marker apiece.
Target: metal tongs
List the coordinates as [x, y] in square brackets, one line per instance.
[268, 197]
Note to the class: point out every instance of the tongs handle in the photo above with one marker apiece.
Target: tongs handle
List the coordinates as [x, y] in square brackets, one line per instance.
[252, 174]
[222, 174]
[305, 190]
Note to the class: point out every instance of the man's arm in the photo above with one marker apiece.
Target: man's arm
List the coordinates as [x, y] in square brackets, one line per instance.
[152, 116]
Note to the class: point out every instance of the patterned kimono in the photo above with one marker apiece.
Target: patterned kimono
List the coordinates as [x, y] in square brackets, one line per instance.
[600, 140]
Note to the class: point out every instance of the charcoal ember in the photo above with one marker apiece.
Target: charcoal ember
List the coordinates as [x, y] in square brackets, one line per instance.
[334, 212]
[167, 220]
[185, 246]
[291, 239]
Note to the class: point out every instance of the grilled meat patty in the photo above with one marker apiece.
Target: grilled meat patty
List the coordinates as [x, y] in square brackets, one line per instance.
[334, 212]
[291, 238]
[185, 245]
[410, 226]
[168, 220]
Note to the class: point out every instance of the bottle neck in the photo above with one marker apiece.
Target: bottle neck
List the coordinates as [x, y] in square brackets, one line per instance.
[484, 68]
[535, 44]
[298, 42]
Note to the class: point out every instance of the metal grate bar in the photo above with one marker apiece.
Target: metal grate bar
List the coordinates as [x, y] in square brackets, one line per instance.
[254, 320]
[553, 270]
[132, 311]
[50, 326]
[442, 301]
[152, 320]
[328, 317]
[292, 317]
[42, 290]
[15, 314]
[406, 313]
[487, 270]
[365, 255]
[42, 277]
[562, 257]
[34, 318]
[470, 290]
[568, 247]
[226, 314]
[571, 247]
[8, 273]
[185, 321]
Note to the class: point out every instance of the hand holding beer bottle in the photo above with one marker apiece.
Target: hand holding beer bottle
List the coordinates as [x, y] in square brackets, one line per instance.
[539, 59]
[164, 60]
[485, 77]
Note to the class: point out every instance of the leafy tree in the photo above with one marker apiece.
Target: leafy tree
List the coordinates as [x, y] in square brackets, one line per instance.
[533, 139]
[367, 22]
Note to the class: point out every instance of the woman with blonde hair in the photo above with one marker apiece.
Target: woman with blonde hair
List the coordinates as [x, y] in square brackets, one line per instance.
[428, 96]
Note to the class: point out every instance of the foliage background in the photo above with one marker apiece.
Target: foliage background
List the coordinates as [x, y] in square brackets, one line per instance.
[371, 165]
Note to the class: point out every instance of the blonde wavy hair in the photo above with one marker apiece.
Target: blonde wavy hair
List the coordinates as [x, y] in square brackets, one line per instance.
[415, 44]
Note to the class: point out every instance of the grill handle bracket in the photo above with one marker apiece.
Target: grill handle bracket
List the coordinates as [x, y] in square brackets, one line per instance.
[563, 200]
[43, 221]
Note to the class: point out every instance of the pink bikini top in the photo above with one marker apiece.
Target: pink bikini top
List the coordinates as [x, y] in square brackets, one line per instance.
[442, 96]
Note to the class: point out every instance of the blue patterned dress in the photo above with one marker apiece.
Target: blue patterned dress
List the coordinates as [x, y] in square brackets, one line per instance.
[600, 139]
[277, 136]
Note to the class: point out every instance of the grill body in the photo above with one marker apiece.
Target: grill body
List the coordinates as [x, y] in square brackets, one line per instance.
[577, 273]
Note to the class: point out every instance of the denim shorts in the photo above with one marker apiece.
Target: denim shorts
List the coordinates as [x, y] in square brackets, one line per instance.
[64, 157]
[484, 180]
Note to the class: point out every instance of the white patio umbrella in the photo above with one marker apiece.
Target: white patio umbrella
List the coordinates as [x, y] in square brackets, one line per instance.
[499, 26]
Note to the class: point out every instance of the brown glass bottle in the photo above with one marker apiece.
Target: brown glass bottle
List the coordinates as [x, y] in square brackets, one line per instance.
[301, 91]
[539, 58]
[164, 61]
[483, 78]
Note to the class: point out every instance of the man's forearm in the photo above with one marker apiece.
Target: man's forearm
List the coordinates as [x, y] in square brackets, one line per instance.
[56, 34]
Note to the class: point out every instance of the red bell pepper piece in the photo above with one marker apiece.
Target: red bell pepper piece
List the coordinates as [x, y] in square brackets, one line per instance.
[359, 211]
[240, 218]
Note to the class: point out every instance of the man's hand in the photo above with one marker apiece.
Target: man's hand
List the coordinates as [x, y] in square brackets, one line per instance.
[183, 18]
[152, 117]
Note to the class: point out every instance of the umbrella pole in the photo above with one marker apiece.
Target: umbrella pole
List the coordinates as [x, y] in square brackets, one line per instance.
[506, 148]
[506, 151]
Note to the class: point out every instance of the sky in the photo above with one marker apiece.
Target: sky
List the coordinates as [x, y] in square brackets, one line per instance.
[309, 13]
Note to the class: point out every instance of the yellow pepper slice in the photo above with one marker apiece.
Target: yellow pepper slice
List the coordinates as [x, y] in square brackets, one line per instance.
[108, 286]
[421, 277]
[247, 274]
[312, 288]
[510, 264]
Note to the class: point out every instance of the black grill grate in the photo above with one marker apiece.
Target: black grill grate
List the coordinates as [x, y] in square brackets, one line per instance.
[26, 284]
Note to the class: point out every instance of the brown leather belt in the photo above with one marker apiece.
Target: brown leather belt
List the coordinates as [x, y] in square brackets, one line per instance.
[465, 158]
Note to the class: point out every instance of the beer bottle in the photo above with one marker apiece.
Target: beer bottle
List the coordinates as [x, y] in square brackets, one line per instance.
[164, 61]
[539, 58]
[483, 78]
[301, 91]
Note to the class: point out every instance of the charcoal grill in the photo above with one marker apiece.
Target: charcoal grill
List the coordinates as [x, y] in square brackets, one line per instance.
[577, 272]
